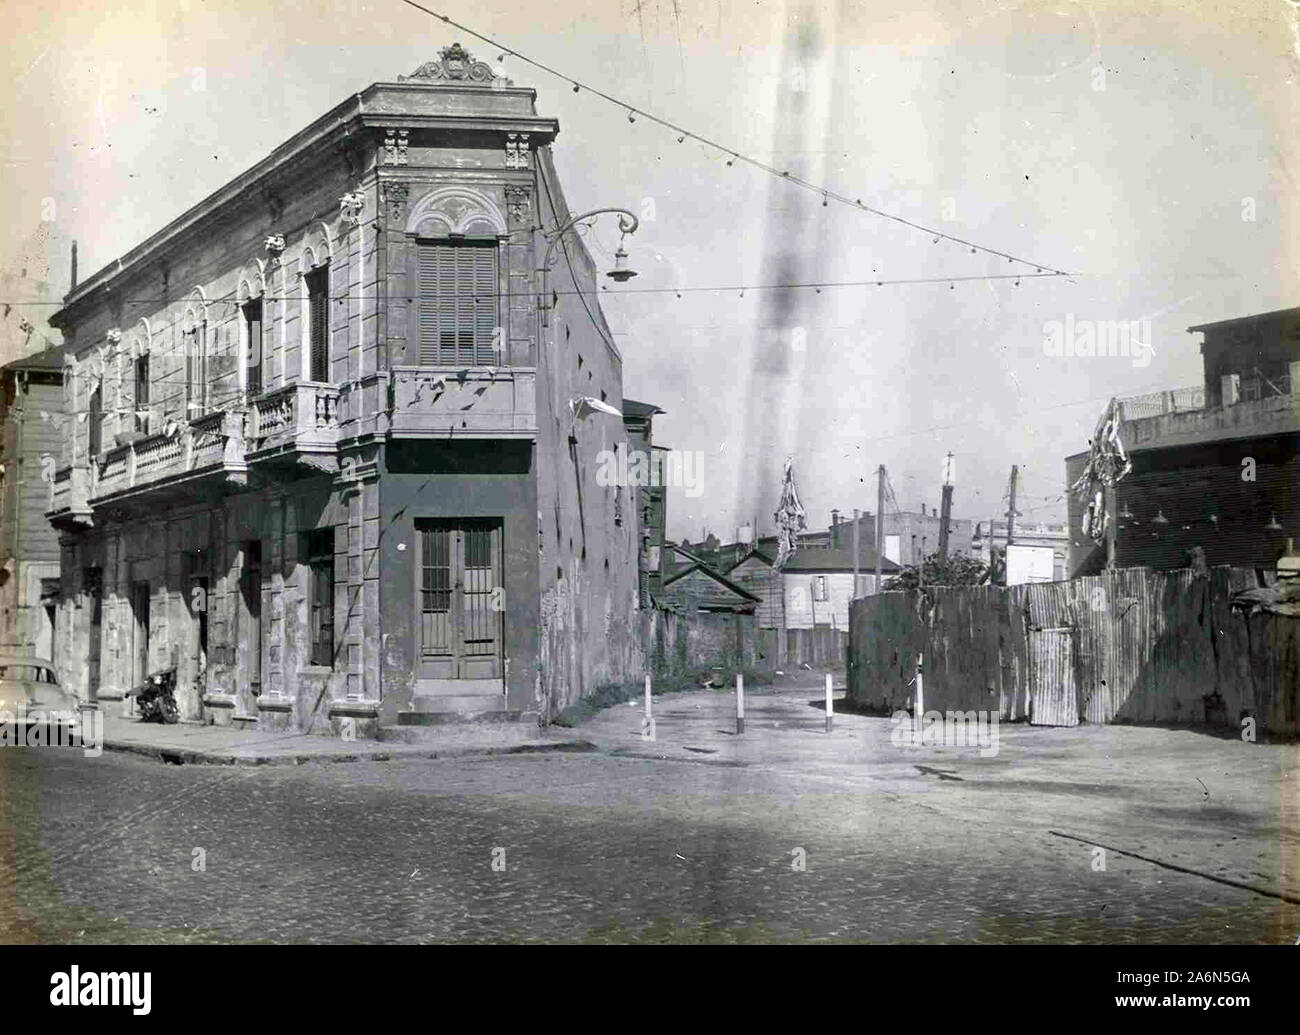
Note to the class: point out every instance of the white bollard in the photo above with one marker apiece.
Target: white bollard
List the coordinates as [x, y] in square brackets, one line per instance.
[920, 699]
[647, 723]
[740, 703]
[829, 709]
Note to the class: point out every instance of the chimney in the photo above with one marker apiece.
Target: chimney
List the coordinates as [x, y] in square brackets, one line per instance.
[74, 268]
[922, 510]
[835, 528]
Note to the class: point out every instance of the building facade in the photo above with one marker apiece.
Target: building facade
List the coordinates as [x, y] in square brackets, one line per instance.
[992, 535]
[1215, 466]
[328, 456]
[31, 415]
[650, 499]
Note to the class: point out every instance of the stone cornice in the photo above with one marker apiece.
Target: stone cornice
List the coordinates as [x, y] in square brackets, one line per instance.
[345, 121]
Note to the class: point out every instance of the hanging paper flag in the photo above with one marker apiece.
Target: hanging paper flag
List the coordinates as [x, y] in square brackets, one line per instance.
[1107, 464]
[790, 517]
[584, 406]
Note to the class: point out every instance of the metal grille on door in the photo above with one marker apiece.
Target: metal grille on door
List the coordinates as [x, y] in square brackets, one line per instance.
[460, 600]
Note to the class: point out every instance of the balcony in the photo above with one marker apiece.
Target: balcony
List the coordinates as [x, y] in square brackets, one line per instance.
[70, 498]
[296, 424]
[1258, 415]
[206, 452]
[478, 402]
[1156, 404]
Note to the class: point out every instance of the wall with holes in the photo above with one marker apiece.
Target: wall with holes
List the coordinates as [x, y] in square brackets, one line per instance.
[588, 533]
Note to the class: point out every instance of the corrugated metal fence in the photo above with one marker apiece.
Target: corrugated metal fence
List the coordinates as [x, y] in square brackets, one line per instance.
[1131, 645]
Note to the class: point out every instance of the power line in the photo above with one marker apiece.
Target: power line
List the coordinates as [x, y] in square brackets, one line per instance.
[608, 337]
[784, 174]
[229, 299]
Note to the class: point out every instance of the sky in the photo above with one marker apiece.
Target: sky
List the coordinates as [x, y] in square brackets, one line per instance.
[1149, 149]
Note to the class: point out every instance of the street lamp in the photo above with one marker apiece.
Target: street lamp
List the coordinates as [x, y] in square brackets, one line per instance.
[627, 223]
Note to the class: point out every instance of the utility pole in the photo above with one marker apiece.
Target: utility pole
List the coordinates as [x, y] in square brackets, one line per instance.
[880, 520]
[1011, 513]
[945, 509]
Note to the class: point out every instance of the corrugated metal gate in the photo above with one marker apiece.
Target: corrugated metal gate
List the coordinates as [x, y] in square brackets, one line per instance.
[1055, 697]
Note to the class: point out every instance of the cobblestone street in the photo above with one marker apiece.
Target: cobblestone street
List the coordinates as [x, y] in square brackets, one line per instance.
[696, 837]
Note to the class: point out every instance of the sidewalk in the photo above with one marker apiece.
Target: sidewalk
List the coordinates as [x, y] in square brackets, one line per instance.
[1222, 808]
[196, 744]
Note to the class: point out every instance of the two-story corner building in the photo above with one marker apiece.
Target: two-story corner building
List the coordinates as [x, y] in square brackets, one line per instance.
[328, 456]
[1216, 465]
[31, 415]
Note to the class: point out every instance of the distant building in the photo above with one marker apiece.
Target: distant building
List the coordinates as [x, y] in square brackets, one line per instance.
[701, 620]
[803, 612]
[650, 501]
[1215, 466]
[696, 586]
[908, 535]
[31, 410]
[993, 534]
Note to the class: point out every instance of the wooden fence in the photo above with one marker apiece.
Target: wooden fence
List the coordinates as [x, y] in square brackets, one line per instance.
[685, 643]
[1131, 645]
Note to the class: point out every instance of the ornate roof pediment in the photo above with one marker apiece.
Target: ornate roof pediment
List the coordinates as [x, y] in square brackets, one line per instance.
[455, 64]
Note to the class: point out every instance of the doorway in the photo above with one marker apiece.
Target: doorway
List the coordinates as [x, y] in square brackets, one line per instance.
[251, 612]
[94, 583]
[139, 632]
[460, 600]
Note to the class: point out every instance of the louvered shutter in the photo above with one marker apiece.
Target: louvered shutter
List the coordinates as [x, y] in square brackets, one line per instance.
[253, 315]
[485, 304]
[96, 420]
[457, 303]
[318, 321]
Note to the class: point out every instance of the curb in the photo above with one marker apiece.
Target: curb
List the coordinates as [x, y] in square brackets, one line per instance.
[191, 756]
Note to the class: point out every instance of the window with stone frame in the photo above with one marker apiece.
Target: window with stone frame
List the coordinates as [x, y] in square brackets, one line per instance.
[318, 331]
[196, 369]
[253, 356]
[141, 392]
[457, 302]
[95, 422]
[318, 548]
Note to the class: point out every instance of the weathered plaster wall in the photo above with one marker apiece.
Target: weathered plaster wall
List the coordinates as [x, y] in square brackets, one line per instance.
[590, 607]
[431, 479]
[211, 541]
[29, 547]
[207, 278]
[691, 642]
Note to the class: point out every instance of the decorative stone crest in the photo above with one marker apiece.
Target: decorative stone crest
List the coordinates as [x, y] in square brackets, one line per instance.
[114, 335]
[455, 64]
[395, 144]
[350, 206]
[518, 200]
[516, 150]
[395, 195]
[275, 245]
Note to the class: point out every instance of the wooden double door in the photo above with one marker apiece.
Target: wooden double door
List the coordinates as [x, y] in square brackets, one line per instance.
[460, 600]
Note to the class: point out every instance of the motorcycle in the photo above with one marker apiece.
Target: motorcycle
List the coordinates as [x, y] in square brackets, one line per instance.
[156, 699]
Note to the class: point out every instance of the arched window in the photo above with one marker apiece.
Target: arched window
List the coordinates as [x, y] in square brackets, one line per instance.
[95, 418]
[253, 357]
[318, 314]
[141, 391]
[196, 368]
